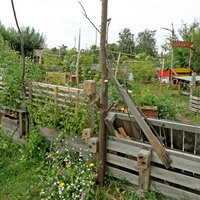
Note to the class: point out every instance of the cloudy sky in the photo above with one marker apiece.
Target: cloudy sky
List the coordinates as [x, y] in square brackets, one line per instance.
[60, 20]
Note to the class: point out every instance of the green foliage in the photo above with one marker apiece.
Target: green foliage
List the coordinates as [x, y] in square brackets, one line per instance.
[11, 95]
[167, 107]
[181, 55]
[7, 55]
[34, 72]
[18, 177]
[43, 112]
[46, 113]
[126, 41]
[143, 70]
[147, 95]
[72, 122]
[32, 38]
[36, 145]
[50, 59]
[146, 43]
[196, 92]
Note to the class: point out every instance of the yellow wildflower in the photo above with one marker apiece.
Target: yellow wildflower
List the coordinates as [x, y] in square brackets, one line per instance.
[91, 165]
[61, 185]
[68, 165]
[122, 109]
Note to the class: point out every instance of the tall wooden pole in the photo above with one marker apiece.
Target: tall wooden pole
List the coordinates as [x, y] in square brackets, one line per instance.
[103, 94]
[22, 50]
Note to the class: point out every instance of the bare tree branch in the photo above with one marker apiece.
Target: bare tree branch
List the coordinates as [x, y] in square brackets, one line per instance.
[22, 50]
[85, 14]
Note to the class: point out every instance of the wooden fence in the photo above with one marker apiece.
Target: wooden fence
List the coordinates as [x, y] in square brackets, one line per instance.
[138, 164]
[194, 104]
[135, 160]
[61, 95]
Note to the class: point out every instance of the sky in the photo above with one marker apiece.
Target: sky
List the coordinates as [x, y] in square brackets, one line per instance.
[61, 20]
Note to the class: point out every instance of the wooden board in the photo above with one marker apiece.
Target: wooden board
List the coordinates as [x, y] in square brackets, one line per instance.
[173, 192]
[120, 174]
[180, 160]
[173, 182]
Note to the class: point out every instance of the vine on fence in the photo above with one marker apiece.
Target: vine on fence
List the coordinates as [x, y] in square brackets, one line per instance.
[44, 111]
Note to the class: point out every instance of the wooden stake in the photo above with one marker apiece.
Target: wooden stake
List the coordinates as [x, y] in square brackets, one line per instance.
[144, 162]
[77, 70]
[158, 147]
[103, 94]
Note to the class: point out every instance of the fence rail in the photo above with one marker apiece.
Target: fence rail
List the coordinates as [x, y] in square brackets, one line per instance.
[181, 180]
[174, 135]
[135, 160]
[194, 104]
[60, 95]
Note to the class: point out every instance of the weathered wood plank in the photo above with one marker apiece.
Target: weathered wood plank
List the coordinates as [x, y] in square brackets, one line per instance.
[165, 123]
[131, 149]
[158, 147]
[180, 160]
[194, 109]
[120, 174]
[144, 165]
[175, 177]
[172, 191]
[122, 161]
[62, 88]
[194, 98]
[194, 101]
[195, 106]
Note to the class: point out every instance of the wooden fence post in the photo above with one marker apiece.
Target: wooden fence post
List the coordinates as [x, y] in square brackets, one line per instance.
[56, 95]
[30, 90]
[144, 163]
[89, 87]
[192, 84]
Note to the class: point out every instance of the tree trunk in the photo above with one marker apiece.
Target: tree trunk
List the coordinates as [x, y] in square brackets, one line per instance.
[103, 94]
[22, 51]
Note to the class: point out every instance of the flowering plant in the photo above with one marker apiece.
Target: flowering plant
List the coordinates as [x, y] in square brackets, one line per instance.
[70, 177]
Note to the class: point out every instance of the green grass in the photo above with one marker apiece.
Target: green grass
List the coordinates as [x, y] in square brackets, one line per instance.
[23, 179]
[18, 177]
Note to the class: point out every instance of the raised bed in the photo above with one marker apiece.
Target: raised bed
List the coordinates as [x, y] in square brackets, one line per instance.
[15, 122]
[134, 159]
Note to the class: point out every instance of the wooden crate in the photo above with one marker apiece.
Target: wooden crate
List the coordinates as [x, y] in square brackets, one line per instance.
[194, 104]
[174, 135]
[15, 121]
[180, 181]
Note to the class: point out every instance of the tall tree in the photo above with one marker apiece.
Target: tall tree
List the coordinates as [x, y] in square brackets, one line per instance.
[146, 42]
[189, 33]
[32, 38]
[126, 41]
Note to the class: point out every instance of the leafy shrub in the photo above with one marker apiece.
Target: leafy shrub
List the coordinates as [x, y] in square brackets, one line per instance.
[143, 70]
[167, 108]
[36, 145]
[11, 95]
[45, 112]
[165, 104]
